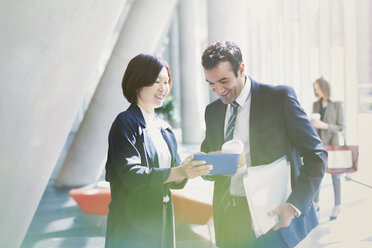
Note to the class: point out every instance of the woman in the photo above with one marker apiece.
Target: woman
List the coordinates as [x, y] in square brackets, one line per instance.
[142, 163]
[328, 126]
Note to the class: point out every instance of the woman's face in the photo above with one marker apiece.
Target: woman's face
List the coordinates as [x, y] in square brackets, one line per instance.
[317, 91]
[152, 97]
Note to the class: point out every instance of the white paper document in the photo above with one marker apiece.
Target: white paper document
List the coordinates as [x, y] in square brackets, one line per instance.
[267, 187]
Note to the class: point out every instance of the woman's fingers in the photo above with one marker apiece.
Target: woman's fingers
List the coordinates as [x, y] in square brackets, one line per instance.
[204, 168]
[197, 169]
[188, 159]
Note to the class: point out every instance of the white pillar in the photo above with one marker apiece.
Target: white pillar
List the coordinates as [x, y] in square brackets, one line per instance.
[50, 51]
[314, 41]
[324, 37]
[351, 75]
[364, 60]
[143, 31]
[306, 80]
[288, 43]
[226, 21]
[337, 51]
[192, 83]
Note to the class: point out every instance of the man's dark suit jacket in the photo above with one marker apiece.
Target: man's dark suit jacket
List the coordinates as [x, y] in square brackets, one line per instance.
[278, 126]
[137, 215]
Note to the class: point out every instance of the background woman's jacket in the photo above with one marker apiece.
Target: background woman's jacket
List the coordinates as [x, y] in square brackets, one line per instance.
[334, 116]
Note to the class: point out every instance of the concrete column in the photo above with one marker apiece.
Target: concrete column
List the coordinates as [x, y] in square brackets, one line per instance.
[226, 21]
[288, 42]
[351, 73]
[296, 47]
[191, 73]
[305, 79]
[254, 59]
[264, 36]
[337, 51]
[50, 51]
[314, 40]
[144, 29]
[364, 68]
[281, 42]
[364, 39]
[175, 64]
[324, 37]
[275, 44]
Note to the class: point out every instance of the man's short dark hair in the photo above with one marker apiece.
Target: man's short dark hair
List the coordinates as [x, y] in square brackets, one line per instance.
[142, 71]
[222, 51]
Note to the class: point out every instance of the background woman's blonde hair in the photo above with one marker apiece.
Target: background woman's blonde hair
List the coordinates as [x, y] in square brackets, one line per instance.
[324, 86]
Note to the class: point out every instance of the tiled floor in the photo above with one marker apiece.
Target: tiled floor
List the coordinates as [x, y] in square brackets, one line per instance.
[59, 222]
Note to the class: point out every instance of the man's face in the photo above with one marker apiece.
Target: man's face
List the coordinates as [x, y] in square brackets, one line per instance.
[223, 81]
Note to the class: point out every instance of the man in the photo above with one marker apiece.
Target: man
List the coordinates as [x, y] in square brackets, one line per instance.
[271, 123]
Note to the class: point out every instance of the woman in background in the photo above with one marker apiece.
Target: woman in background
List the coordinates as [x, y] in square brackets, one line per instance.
[328, 126]
[142, 163]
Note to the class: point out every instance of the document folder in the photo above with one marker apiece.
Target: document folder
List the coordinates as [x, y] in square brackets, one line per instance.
[267, 187]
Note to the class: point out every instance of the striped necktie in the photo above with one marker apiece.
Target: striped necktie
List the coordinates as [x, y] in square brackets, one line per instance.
[229, 134]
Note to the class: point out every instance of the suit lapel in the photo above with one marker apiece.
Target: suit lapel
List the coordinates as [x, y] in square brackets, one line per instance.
[149, 148]
[218, 124]
[254, 118]
[169, 138]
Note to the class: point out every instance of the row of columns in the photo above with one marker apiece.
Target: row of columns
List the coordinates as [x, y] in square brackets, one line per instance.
[286, 42]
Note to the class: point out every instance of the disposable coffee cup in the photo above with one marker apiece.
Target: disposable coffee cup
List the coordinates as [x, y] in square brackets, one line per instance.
[233, 146]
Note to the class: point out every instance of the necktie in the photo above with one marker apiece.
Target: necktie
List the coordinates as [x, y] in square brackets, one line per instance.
[231, 124]
[225, 199]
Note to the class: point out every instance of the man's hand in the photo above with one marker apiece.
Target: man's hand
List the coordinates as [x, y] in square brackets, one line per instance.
[286, 213]
[242, 161]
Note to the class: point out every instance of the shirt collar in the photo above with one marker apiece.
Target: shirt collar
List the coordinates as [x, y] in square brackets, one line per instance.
[153, 120]
[242, 98]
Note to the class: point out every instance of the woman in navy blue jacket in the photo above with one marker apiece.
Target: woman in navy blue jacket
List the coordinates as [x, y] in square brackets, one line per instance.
[142, 163]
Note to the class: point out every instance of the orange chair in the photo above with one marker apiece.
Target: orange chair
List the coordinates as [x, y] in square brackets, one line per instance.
[191, 211]
[186, 210]
[93, 200]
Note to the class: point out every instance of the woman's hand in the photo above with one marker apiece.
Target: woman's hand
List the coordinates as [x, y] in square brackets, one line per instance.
[194, 168]
[189, 168]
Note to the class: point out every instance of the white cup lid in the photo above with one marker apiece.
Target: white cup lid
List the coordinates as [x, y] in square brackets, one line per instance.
[233, 146]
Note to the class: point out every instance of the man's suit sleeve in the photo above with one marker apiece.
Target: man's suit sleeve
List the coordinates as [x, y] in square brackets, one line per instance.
[205, 146]
[303, 137]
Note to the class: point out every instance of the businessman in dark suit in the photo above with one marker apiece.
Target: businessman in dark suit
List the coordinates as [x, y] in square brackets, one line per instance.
[271, 123]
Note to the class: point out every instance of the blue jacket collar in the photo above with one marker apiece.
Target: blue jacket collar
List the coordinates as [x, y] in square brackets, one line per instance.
[137, 114]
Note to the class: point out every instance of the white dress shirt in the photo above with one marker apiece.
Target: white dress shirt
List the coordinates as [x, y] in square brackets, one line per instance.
[154, 125]
[241, 132]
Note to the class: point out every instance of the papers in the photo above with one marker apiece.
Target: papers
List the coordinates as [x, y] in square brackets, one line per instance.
[267, 187]
[223, 163]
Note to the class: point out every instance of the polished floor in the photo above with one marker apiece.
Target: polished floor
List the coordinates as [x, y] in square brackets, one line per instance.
[58, 221]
